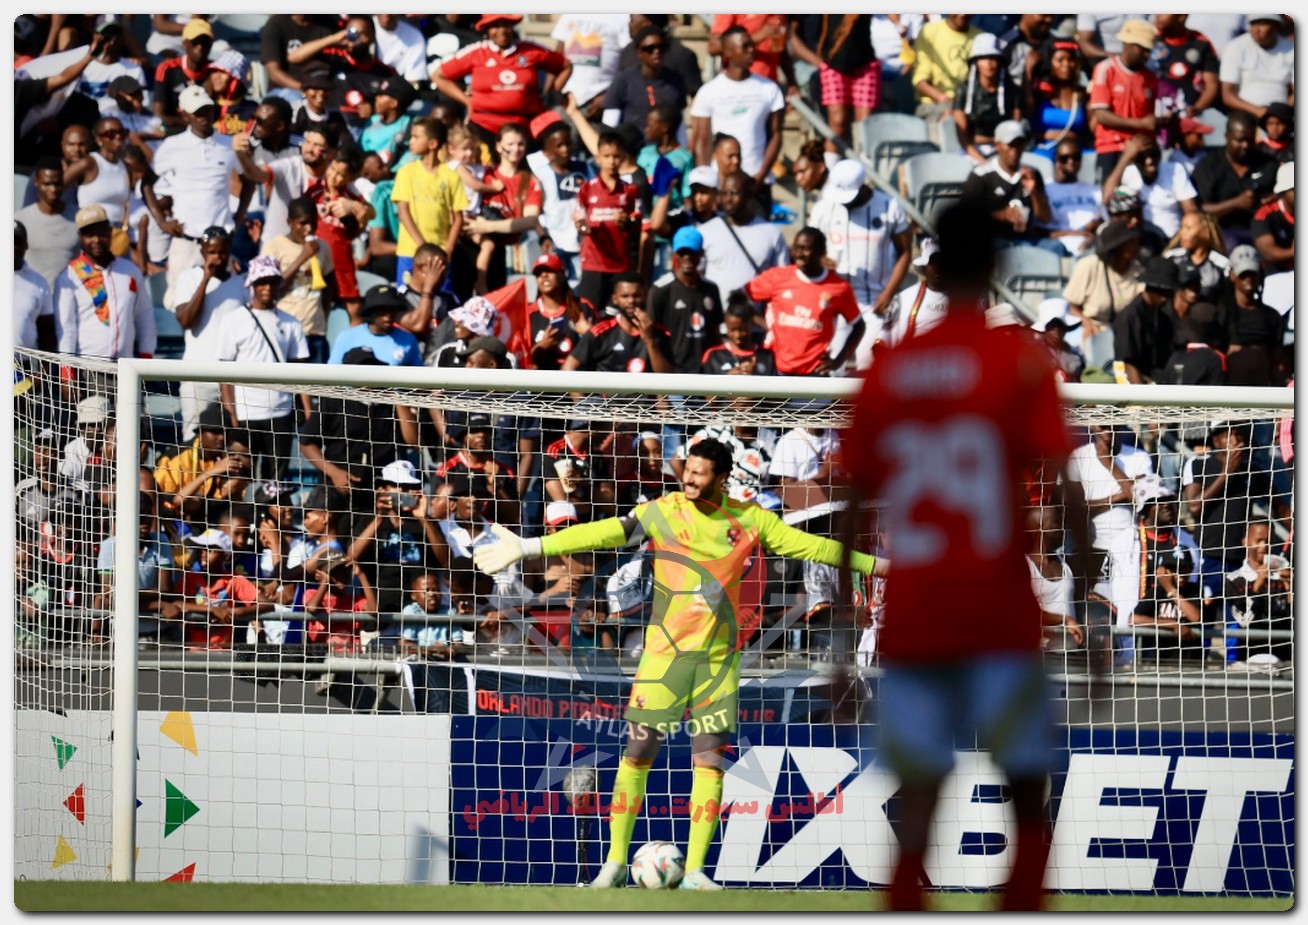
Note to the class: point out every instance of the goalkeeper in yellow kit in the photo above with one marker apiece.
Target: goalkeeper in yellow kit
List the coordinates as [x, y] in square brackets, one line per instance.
[701, 541]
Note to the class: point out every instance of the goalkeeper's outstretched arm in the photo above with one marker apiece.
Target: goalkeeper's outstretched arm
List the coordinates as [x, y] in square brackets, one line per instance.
[602, 534]
[783, 539]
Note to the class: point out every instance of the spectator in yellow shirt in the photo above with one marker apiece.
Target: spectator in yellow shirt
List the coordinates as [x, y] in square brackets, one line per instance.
[429, 197]
[940, 64]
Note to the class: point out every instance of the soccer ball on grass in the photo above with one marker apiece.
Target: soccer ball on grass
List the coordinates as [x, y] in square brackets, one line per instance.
[658, 865]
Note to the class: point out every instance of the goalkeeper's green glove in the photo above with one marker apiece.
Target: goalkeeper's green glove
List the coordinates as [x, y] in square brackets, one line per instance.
[507, 549]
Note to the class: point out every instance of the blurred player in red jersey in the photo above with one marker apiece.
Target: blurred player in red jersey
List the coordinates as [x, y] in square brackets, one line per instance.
[942, 431]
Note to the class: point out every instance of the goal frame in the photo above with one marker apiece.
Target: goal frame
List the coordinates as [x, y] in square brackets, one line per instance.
[132, 373]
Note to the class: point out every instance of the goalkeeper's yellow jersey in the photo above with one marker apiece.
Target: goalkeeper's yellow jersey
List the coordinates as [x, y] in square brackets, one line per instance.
[699, 563]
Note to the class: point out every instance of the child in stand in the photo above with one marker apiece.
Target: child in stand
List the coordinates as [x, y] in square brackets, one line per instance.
[342, 588]
[465, 159]
[439, 641]
[342, 216]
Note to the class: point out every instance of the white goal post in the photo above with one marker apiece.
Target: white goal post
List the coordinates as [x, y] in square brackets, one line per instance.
[1150, 703]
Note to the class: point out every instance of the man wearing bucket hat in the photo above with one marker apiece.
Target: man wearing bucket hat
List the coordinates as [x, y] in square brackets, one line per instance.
[505, 74]
[381, 309]
[260, 332]
[1123, 91]
[448, 344]
[1143, 331]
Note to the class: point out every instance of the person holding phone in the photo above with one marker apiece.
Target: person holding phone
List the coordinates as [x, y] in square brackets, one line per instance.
[559, 317]
[394, 542]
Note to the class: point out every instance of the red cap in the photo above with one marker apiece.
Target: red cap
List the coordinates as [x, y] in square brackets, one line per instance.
[543, 121]
[1189, 125]
[550, 262]
[491, 18]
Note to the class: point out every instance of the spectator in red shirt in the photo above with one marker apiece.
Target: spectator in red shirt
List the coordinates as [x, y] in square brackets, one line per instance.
[511, 212]
[608, 222]
[212, 598]
[1122, 95]
[768, 30]
[505, 76]
[803, 302]
[342, 216]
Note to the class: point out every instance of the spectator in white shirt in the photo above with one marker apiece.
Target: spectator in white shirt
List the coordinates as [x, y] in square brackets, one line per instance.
[401, 46]
[107, 65]
[803, 466]
[291, 177]
[260, 332]
[202, 298]
[868, 237]
[1163, 188]
[1258, 67]
[743, 105]
[51, 234]
[198, 165]
[102, 308]
[593, 43]
[34, 325]
[1076, 208]
[738, 244]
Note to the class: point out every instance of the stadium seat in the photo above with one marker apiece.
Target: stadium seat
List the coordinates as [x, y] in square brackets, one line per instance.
[1089, 161]
[889, 138]
[1217, 119]
[1032, 273]
[172, 337]
[338, 319]
[367, 280]
[1043, 165]
[934, 181]
[157, 285]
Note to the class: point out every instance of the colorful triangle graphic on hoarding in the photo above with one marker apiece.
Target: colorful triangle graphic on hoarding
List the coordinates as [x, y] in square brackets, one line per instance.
[76, 803]
[63, 751]
[63, 853]
[185, 875]
[177, 726]
[178, 809]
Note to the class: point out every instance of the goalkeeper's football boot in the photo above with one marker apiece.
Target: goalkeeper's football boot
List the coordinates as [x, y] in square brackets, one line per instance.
[698, 880]
[613, 874]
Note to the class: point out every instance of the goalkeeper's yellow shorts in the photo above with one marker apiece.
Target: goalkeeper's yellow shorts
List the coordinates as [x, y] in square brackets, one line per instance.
[666, 686]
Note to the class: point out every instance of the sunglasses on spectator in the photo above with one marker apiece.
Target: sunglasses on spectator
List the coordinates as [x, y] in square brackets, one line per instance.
[111, 133]
[1066, 158]
[657, 46]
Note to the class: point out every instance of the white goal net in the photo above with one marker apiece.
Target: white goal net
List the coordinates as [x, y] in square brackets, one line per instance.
[290, 670]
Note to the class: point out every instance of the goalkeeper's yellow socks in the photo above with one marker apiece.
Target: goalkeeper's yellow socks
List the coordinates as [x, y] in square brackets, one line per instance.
[705, 805]
[628, 792]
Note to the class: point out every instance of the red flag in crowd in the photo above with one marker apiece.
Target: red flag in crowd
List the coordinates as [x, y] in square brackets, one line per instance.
[512, 326]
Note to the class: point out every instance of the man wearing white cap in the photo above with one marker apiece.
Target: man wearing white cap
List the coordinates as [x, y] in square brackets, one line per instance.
[868, 237]
[919, 308]
[1273, 224]
[102, 308]
[197, 165]
[1012, 192]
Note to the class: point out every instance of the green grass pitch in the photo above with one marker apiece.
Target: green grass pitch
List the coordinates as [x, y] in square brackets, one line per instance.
[49, 896]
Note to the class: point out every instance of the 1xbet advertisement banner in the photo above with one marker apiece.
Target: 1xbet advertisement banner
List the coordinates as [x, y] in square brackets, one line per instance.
[804, 806]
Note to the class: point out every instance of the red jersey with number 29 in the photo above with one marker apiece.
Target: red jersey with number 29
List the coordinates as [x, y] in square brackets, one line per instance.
[942, 430]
